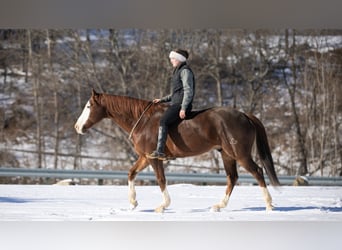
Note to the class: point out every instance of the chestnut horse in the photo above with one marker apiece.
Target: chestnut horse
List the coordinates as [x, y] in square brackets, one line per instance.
[231, 132]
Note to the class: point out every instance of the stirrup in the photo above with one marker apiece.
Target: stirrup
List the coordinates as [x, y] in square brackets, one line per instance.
[157, 155]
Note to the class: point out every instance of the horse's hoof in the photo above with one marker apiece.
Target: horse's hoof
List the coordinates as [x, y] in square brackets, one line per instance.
[133, 205]
[215, 209]
[160, 209]
[269, 208]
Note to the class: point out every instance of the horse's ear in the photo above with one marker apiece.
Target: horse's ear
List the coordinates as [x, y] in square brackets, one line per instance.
[94, 93]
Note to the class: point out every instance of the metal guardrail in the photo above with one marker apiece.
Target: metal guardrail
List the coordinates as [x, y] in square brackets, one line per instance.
[202, 178]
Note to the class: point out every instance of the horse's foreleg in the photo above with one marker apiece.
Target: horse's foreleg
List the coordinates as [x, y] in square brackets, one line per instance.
[132, 195]
[159, 172]
[139, 165]
[232, 176]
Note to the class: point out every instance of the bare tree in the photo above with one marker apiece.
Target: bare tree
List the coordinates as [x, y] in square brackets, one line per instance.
[237, 67]
[322, 110]
[36, 86]
[76, 44]
[53, 78]
[292, 90]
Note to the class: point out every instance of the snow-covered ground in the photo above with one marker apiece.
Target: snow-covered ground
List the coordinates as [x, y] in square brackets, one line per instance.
[188, 203]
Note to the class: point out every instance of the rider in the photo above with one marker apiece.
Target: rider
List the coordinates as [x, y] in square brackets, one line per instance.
[181, 97]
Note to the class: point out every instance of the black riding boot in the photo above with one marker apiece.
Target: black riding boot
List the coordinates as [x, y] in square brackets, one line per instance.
[159, 152]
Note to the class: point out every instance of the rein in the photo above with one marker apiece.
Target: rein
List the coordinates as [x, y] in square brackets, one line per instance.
[136, 124]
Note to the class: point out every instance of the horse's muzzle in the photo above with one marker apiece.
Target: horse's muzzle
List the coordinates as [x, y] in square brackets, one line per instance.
[79, 129]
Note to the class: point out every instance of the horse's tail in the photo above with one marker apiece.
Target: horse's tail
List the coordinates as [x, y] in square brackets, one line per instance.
[264, 149]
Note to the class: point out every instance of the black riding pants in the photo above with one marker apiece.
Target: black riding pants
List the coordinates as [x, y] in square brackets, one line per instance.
[171, 115]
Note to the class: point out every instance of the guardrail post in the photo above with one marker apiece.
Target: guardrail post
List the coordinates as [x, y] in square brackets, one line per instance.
[100, 182]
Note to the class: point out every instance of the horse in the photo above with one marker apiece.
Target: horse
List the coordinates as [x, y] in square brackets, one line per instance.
[231, 132]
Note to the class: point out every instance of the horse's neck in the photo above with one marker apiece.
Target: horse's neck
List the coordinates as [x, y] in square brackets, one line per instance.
[120, 110]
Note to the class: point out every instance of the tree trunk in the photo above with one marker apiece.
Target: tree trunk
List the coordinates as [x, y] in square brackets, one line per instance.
[55, 99]
[92, 61]
[78, 149]
[292, 89]
[36, 86]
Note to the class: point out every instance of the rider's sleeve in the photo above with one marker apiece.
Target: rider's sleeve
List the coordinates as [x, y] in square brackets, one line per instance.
[188, 87]
[166, 98]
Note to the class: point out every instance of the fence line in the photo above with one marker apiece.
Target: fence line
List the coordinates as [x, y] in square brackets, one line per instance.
[198, 178]
[192, 166]
[68, 155]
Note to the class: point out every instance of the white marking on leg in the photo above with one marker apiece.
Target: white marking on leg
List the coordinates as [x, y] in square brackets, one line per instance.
[132, 195]
[222, 204]
[267, 198]
[166, 198]
[166, 201]
[83, 118]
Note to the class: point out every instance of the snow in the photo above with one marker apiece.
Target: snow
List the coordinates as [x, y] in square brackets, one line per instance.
[188, 203]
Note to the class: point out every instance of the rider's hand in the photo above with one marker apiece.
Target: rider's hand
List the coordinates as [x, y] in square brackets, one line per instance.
[156, 100]
[182, 114]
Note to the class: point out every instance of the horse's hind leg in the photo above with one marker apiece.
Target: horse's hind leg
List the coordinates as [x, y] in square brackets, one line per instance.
[138, 166]
[232, 176]
[257, 172]
[158, 168]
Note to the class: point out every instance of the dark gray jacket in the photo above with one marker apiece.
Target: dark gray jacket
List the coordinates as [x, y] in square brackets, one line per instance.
[182, 87]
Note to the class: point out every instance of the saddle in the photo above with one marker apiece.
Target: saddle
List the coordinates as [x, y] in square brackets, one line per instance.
[194, 113]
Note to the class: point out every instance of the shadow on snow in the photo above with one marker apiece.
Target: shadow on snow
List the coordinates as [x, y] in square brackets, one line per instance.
[290, 209]
[14, 200]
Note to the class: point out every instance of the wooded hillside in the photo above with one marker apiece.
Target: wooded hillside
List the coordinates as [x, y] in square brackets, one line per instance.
[291, 80]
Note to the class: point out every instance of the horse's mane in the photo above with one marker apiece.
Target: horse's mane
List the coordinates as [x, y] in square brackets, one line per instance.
[133, 107]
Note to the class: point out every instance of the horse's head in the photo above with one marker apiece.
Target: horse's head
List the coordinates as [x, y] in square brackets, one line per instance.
[92, 113]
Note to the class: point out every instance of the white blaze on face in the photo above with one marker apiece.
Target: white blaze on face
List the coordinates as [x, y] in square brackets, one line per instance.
[83, 118]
